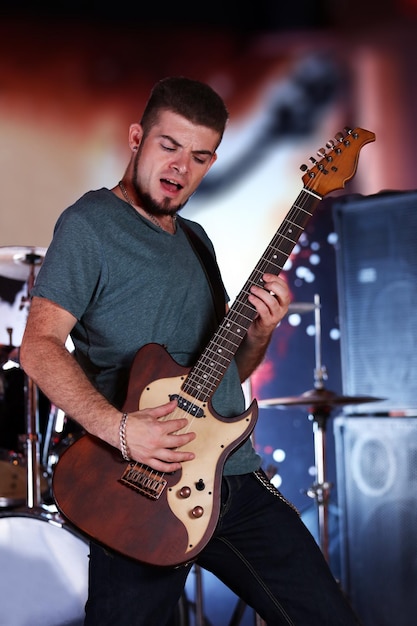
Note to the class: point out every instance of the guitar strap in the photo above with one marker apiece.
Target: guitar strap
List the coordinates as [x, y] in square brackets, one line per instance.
[210, 267]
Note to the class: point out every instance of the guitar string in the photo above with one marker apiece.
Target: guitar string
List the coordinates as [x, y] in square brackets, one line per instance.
[279, 237]
[299, 206]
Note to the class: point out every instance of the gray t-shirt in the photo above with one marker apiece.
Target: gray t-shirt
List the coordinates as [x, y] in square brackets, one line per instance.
[129, 284]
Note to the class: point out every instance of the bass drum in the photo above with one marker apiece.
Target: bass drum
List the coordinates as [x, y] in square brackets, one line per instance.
[44, 571]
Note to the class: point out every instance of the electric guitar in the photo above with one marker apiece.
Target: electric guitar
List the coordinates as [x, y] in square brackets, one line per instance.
[167, 519]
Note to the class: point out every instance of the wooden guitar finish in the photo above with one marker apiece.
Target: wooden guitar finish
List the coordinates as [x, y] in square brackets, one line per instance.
[163, 531]
[167, 519]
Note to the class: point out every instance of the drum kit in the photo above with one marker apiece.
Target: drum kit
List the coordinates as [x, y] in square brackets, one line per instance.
[45, 561]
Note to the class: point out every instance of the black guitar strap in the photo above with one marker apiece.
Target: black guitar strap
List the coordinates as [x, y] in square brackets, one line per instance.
[210, 267]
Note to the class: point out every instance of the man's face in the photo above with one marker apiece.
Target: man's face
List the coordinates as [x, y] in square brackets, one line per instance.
[171, 162]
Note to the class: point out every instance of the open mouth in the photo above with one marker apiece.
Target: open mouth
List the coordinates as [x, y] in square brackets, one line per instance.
[171, 185]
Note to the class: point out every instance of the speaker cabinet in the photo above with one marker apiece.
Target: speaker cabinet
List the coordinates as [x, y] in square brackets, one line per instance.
[376, 464]
[376, 261]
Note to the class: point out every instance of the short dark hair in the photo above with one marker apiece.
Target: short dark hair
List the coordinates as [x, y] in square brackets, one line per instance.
[194, 100]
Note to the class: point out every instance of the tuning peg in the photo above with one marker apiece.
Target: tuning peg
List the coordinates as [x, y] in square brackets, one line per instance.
[339, 137]
[303, 167]
[347, 130]
[321, 152]
[313, 160]
[330, 144]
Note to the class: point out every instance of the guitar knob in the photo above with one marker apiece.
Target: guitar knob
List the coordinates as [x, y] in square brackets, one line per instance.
[197, 511]
[185, 492]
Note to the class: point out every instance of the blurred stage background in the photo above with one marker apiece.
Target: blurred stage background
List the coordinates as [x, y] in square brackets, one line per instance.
[292, 77]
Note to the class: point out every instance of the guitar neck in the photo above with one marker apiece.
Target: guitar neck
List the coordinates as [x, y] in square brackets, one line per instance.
[328, 174]
[206, 375]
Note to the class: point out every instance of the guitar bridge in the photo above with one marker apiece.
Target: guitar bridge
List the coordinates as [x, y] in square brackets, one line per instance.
[144, 480]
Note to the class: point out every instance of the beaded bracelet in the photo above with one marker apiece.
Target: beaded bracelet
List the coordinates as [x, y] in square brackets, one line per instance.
[122, 437]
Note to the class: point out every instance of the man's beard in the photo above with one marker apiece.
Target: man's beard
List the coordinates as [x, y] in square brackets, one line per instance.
[157, 209]
[146, 201]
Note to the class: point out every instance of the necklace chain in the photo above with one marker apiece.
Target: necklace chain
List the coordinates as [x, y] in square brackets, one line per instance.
[151, 217]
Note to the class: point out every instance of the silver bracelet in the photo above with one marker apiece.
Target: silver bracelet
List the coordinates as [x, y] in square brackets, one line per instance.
[122, 437]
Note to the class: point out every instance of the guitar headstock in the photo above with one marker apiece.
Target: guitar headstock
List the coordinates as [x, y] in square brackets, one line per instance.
[338, 161]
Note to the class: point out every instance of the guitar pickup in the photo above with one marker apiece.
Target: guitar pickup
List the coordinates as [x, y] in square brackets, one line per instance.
[143, 479]
[187, 406]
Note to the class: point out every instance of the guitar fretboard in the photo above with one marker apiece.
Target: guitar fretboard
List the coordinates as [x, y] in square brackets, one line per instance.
[209, 370]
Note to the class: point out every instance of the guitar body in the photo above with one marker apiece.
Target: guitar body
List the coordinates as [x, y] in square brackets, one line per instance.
[173, 528]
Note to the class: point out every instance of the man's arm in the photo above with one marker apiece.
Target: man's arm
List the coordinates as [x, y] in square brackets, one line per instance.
[45, 358]
[271, 304]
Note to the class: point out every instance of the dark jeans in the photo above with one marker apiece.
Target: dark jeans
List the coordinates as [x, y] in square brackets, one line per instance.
[261, 550]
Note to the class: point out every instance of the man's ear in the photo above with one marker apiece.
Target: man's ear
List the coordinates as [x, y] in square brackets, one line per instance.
[135, 135]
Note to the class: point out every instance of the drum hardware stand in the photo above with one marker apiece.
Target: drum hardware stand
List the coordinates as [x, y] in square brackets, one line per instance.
[33, 500]
[32, 445]
[199, 612]
[319, 415]
[47, 439]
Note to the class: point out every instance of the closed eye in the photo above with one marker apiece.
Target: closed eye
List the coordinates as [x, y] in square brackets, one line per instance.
[201, 160]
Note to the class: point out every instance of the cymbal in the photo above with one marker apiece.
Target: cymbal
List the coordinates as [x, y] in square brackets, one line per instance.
[301, 307]
[16, 261]
[316, 397]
